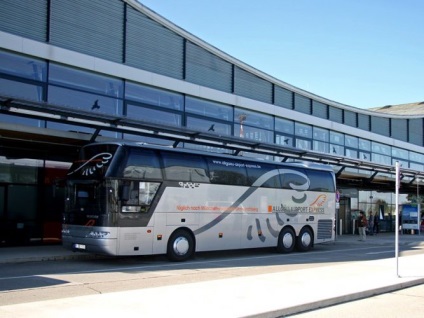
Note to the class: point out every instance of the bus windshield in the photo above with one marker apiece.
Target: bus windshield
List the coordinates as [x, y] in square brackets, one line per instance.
[87, 202]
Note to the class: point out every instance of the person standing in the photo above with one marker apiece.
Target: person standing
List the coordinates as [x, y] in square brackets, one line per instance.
[371, 223]
[376, 227]
[362, 225]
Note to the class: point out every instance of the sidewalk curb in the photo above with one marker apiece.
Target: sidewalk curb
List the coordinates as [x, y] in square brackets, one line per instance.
[337, 300]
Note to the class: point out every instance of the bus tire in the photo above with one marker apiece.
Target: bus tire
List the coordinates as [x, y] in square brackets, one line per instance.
[180, 246]
[286, 240]
[305, 240]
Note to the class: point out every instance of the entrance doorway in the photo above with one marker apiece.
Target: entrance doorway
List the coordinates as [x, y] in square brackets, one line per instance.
[344, 217]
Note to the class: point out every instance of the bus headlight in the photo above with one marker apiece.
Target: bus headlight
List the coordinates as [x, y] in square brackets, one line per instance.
[98, 234]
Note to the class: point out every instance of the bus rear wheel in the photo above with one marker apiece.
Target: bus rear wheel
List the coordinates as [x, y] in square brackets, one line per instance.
[305, 240]
[286, 240]
[180, 246]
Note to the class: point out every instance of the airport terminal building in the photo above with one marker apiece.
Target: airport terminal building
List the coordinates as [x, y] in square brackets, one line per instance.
[75, 72]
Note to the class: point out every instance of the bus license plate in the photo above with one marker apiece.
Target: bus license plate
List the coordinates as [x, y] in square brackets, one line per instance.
[79, 246]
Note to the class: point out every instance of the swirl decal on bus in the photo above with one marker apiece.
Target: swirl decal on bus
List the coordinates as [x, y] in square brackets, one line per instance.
[301, 188]
[92, 165]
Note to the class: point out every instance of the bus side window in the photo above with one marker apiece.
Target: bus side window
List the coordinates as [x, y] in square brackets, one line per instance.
[227, 172]
[147, 192]
[185, 167]
[321, 181]
[294, 180]
[255, 171]
[142, 164]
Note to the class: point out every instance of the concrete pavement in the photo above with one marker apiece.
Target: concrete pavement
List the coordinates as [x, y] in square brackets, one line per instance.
[266, 295]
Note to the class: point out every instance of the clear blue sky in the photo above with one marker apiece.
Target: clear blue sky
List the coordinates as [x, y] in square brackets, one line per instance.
[363, 53]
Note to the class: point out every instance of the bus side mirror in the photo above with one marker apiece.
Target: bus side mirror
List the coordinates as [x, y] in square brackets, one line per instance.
[124, 193]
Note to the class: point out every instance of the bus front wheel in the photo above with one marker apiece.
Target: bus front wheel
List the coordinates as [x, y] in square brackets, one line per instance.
[286, 240]
[180, 246]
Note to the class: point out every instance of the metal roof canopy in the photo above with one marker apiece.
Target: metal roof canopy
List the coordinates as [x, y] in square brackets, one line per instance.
[101, 121]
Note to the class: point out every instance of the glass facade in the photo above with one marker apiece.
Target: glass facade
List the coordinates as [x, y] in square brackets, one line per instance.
[35, 79]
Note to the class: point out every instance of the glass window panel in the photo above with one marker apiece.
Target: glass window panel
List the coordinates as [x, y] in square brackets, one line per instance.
[226, 171]
[364, 144]
[377, 158]
[337, 150]
[185, 167]
[284, 125]
[351, 141]
[19, 170]
[337, 138]
[86, 81]
[80, 129]
[21, 90]
[303, 130]
[320, 181]
[414, 156]
[208, 109]
[290, 179]
[380, 148]
[255, 171]
[284, 140]
[142, 164]
[364, 156]
[22, 120]
[22, 66]
[84, 101]
[148, 140]
[19, 209]
[208, 125]
[400, 153]
[153, 115]
[320, 146]
[153, 96]
[253, 119]
[303, 144]
[351, 153]
[416, 166]
[254, 133]
[320, 134]
[208, 148]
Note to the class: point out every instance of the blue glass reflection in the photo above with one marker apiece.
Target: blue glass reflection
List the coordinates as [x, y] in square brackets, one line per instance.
[87, 81]
[21, 90]
[84, 101]
[153, 96]
[18, 65]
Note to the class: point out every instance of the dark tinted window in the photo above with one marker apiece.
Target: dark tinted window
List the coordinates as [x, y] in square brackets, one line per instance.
[294, 178]
[257, 175]
[321, 181]
[185, 167]
[227, 171]
[142, 164]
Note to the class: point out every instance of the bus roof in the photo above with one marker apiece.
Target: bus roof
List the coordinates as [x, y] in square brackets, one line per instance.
[300, 164]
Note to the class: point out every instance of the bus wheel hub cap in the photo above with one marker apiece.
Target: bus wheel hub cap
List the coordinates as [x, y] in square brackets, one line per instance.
[181, 246]
[287, 240]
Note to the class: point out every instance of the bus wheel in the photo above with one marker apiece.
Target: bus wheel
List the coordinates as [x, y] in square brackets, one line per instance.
[180, 246]
[286, 240]
[305, 240]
